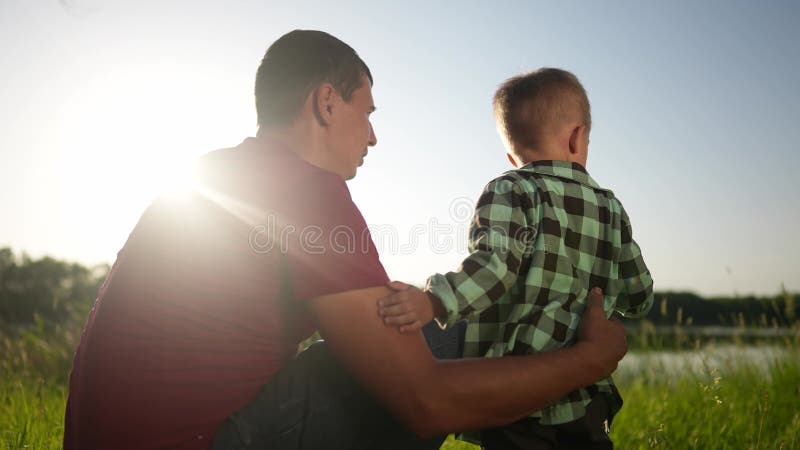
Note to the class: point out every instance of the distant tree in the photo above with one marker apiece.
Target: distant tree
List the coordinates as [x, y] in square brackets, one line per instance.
[48, 288]
[684, 308]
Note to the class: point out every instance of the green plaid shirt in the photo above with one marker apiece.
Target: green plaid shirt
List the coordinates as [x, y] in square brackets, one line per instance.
[542, 236]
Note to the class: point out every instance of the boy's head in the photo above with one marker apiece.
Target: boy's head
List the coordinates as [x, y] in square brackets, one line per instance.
[543, 115]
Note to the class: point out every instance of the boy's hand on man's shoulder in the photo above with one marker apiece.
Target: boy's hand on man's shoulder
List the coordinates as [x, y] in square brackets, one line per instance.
[408, 308]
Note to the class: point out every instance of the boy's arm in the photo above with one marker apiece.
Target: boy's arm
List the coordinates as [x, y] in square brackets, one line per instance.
[499, 239]
[636, 294]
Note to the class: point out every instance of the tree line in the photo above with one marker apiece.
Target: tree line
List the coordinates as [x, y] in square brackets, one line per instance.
[45, 289]
[688, 309]
[50, 290]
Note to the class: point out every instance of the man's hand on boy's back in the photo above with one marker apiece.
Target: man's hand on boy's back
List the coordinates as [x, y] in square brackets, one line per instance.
[408, 308]
[605, 337]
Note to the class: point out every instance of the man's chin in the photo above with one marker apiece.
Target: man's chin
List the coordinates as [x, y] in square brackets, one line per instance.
[355, 171]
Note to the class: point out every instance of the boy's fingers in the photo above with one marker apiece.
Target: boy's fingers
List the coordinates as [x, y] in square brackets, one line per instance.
[398, 286]
[394, 309]
[402, 319]
[393, 299]
[411, 328]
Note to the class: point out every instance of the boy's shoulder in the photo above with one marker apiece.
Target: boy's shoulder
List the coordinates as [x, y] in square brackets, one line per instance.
[541, 174]
[527, 179]
[550, 179]
[547, 179]
[510, 182]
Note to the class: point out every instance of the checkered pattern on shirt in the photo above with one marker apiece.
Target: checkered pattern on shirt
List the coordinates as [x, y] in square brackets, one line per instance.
[541, 237]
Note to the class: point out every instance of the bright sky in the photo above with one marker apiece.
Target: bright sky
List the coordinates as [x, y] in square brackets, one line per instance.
[695, 119]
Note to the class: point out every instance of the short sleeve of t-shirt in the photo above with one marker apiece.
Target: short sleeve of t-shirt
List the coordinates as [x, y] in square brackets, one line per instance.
[329, 245]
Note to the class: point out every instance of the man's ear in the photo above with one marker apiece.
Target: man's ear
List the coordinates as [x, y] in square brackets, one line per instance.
[577, 139]
[322, 102]
[512, 160]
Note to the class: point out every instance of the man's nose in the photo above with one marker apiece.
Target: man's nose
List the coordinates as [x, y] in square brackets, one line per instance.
[373, 140]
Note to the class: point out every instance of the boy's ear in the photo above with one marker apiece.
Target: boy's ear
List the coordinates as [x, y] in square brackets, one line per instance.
[577, 139]
[512, 160]
[322, 103]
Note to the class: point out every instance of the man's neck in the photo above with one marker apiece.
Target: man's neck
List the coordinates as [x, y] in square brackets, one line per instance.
[303, 142]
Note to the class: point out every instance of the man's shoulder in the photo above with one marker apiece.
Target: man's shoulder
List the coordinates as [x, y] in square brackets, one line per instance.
[260, 170]
[227, 154]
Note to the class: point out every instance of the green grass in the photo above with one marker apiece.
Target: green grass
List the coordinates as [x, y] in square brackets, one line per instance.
[743, 407]
[32, 412]
[738, 406]
[731, 405]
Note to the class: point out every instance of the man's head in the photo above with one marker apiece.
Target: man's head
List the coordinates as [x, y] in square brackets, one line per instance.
[543, 115]
[319, 85]
[296, 64]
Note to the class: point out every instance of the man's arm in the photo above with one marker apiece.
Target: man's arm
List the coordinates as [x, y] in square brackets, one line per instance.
[436, 397]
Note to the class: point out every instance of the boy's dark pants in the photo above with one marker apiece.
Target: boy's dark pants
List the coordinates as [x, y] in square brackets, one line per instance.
[588, 432]
[313, 403]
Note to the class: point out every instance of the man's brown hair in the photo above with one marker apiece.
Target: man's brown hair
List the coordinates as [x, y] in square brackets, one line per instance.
[533, 105]
[296, 64]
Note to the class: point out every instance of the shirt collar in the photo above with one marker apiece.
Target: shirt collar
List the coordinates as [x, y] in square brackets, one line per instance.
[563, 169]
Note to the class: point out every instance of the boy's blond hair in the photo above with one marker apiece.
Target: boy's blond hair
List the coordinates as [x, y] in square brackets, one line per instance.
[537, 104]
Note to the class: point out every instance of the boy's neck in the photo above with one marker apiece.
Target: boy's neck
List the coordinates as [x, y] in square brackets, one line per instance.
[570, 143]
[527, 157]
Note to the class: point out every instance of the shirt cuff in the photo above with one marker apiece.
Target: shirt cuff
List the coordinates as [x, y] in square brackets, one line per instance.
[440, 287]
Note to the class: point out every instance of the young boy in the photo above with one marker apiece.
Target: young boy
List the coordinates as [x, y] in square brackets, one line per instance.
[542, 236]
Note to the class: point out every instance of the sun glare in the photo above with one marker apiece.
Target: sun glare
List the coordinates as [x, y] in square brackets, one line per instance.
[119, 149]
[177, 181]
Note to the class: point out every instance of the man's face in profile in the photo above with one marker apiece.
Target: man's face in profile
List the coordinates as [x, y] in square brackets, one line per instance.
[351, 130]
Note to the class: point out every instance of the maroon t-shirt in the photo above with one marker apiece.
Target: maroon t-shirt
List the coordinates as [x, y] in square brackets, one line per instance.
[207, 299]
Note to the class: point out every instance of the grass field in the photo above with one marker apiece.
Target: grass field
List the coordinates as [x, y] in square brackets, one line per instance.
[734, 402]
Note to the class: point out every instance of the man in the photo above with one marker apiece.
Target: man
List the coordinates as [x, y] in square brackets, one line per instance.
[202, 312]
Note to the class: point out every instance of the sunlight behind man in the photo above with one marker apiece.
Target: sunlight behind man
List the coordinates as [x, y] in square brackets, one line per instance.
[119, 149]
[177, 181]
